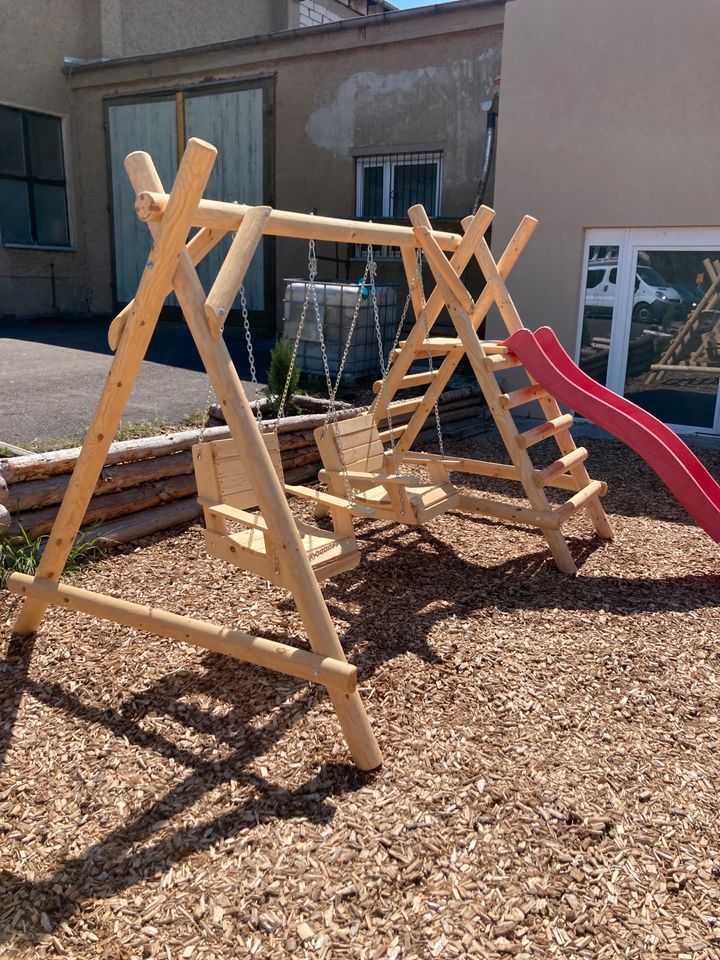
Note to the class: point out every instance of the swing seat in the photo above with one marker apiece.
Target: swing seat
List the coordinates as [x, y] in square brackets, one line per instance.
[352, 453]
[226, 496]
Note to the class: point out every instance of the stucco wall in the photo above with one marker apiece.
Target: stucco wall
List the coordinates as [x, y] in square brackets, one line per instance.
[136, 27]
[34, 38]
[155, 26]
[608, 118]
[394, 84]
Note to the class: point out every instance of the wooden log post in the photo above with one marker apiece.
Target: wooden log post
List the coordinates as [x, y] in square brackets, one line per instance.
[168, 246]
[271, 498]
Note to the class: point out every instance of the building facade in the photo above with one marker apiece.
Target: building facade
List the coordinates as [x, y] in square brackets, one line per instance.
[46, 228]
[607, 133]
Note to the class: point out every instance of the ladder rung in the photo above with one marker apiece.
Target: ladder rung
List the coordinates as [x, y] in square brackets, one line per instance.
[411, 380]
[387, 435]
[437, 346]
[596, 488]
[544, 430]
[499, 361]
[400, 407]
[560, 466]
[493, 347]
[516, 398]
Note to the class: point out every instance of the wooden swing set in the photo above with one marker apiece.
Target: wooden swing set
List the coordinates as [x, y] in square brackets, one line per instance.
[363, 478]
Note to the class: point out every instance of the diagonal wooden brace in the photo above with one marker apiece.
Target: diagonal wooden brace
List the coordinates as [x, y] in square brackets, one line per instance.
[484, 302]
[198, 248]
[156, 280]
[271, 497]
[232, 273]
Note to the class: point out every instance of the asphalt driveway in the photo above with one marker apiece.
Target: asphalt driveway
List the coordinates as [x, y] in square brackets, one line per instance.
[52, 372]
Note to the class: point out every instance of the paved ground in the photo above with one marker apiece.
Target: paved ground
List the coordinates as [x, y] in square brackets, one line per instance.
[52, 372]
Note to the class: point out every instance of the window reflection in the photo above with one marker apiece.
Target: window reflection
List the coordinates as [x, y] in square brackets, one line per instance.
[600, 286]
[674, 345]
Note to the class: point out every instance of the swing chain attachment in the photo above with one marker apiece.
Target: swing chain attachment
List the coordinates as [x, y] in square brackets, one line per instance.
[251, 355]
[436, 408]
[312, 273]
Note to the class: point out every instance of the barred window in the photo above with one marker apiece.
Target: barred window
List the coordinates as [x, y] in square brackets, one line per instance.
[388, 184]
[33, 192]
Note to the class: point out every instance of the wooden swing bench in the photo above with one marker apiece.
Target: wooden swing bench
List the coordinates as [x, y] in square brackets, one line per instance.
[354, 460]
[226, 494]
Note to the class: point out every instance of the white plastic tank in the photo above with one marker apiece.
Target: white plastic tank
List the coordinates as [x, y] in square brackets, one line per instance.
[337, 302]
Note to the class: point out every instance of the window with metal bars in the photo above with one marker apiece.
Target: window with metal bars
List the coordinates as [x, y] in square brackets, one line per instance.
[387, 185]
[33, 189]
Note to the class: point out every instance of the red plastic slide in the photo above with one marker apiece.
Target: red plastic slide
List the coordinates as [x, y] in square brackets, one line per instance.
[677, 466]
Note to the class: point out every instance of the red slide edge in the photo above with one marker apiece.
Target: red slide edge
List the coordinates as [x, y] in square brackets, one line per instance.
[676, 465]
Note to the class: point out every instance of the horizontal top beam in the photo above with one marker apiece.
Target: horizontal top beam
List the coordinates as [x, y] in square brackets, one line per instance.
[220, 215]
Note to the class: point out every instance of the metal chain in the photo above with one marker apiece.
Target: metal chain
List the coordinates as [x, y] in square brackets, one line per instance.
[436, 408]
[312, 271]
[251, 355]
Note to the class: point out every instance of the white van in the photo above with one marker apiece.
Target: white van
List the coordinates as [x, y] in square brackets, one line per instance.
[653, 295]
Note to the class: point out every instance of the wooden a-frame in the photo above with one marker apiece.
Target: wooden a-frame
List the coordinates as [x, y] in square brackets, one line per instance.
[170, 266]
[487, 358]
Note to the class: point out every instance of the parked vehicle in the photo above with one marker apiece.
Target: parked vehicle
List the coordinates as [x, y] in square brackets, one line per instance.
[653, 295]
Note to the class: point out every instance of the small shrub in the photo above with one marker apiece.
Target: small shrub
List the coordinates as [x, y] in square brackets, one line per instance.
[280, 360]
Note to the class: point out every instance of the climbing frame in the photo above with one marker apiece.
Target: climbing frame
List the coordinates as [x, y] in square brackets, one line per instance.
[487, 359]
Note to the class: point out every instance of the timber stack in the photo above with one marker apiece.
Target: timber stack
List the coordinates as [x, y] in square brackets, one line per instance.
[148, 485]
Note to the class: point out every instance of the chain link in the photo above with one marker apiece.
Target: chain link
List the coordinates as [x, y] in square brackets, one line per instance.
[436, 408]
[251, 355]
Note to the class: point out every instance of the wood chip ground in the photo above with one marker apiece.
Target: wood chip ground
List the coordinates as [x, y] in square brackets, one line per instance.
[552, 754]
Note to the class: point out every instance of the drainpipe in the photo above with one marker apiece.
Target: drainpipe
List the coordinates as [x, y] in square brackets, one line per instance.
[489, 151]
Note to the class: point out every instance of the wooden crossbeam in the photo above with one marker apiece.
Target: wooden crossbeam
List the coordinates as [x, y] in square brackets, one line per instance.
[276, 656]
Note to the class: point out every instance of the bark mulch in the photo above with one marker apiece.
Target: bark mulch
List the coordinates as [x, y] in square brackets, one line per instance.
[552, 754]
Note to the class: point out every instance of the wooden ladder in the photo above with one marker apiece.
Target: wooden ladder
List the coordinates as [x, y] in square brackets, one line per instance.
[488, 359]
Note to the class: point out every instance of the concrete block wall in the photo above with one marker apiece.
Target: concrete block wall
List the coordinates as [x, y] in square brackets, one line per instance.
[312, 13]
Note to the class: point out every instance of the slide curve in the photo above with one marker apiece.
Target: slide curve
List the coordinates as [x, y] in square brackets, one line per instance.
[677, 466]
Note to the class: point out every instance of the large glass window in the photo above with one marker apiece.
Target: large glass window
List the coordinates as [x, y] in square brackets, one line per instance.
[33, 194]
[650, 320]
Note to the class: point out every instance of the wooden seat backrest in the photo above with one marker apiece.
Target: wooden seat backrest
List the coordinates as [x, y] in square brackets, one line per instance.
[227, 481]
[357, 439]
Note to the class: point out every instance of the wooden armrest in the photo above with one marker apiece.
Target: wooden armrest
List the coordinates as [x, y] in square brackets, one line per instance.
[373, 479]
[327, 499]
[427, 458]
[233, 513]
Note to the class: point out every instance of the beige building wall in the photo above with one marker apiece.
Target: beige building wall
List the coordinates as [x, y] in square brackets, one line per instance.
[393, 83]
[608, 118]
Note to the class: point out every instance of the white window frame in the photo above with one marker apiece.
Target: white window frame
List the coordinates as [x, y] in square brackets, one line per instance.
[389, 162]
[631, 241]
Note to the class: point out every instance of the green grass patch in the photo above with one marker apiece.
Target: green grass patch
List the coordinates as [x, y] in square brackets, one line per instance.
[21, 554]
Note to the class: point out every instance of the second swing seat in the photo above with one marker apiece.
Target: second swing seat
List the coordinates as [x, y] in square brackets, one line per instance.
[354, 457]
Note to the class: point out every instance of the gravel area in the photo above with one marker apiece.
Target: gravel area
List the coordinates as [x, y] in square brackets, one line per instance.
[552, 754]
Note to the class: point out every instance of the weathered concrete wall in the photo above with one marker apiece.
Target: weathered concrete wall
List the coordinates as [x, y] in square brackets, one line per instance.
[138, 27]
[393, 83]
[34, 38]
[156, 26]
[607, 119]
